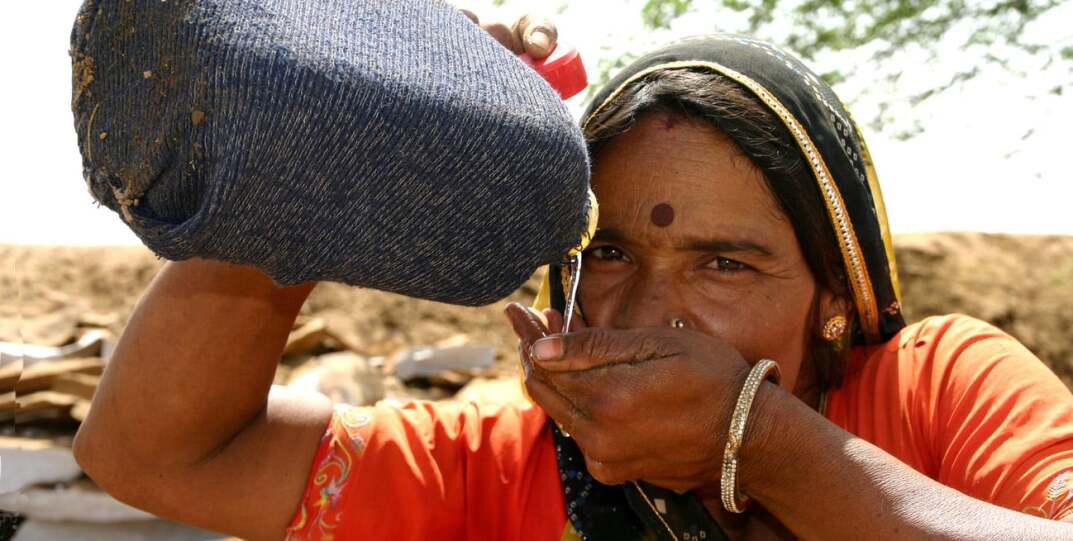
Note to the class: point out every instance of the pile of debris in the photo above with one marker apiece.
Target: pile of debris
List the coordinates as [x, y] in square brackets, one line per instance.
[47, 391]
[41, 383]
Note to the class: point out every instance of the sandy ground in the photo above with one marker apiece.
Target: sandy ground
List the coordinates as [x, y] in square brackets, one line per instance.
[1022, 284]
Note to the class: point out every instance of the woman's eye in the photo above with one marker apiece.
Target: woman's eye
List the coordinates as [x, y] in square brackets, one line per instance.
[607, 253]
[725, 264]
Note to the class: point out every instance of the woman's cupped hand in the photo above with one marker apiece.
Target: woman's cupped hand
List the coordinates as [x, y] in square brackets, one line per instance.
[650, 404]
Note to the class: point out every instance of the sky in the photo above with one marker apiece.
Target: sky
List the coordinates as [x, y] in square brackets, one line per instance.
[970, 170]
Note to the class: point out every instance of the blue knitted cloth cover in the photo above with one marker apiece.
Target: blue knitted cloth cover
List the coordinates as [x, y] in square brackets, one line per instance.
[390, 144]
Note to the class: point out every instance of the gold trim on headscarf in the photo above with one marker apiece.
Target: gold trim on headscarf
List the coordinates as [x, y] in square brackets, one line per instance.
[881, 212]
[543, 297]
[860, 281]
[590, 227]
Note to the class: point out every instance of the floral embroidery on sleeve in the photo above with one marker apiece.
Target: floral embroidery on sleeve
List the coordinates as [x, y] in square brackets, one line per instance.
[319, 513]
[1057, 499]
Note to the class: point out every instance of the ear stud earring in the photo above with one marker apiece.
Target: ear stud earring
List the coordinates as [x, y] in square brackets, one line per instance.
[835, 328]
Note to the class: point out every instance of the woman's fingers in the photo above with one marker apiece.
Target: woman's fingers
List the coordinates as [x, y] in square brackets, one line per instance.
[470, 15]
[537, 35]
[554, 319]
[557, 406]
[504, 35]
[578, 323]
[531, 34]
[527, 324]
[540, 318]
[594, 347]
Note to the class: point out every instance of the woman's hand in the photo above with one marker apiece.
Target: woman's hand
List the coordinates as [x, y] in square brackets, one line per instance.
[651, 404]
[654, 404]
[530, 34]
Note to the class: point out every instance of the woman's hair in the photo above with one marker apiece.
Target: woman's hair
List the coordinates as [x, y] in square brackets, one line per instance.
[709, 96]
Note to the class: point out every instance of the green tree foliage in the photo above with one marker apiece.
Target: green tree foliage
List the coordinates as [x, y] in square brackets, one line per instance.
[888, 26]
[865, 48]
[994, 32]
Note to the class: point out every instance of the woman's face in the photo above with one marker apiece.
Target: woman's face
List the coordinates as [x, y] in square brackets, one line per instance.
[688, 230]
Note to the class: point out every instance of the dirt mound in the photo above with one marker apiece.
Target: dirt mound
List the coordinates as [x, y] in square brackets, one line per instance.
[59, 289]
[1023, 284]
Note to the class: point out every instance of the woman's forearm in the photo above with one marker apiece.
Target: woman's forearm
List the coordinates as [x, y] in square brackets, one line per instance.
[824, 483]
[193, 367]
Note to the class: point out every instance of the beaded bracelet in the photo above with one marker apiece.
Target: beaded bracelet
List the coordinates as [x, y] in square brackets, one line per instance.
[733, 500]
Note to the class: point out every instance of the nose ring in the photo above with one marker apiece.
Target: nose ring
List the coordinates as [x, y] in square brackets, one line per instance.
[678, 323]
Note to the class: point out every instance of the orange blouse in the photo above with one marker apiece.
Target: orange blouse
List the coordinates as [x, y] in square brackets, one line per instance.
[952, 397]
[969, 406]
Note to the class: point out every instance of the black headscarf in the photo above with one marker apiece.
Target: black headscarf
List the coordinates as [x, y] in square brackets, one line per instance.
[839, 162]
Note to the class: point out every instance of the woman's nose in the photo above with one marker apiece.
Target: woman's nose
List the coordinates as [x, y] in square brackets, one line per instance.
[653, 300]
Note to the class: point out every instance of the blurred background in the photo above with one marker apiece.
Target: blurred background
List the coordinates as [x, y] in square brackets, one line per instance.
[965, 104]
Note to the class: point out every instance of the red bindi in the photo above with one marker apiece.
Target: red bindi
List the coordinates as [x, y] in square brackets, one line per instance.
[662, 215]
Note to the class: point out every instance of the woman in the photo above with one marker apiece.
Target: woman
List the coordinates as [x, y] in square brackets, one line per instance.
[738, 200]
[741, 224]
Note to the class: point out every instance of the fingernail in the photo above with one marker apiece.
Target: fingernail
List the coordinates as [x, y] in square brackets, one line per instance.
[547, 349]
[540, 40]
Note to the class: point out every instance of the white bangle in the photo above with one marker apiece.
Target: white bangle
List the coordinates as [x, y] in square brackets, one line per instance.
[733, 500]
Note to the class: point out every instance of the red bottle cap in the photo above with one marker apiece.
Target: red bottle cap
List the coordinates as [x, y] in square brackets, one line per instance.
[562, 69]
